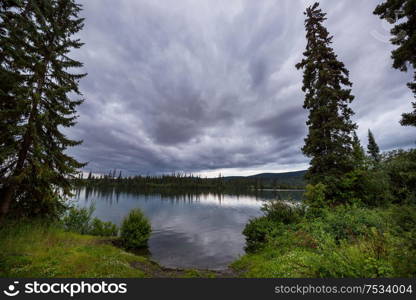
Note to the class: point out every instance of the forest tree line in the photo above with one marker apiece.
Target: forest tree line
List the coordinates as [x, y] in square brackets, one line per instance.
[186, 183]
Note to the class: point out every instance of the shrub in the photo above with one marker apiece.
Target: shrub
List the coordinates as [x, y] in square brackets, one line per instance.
[404, 217]
[135, 230]
[257, 232]
[357, 260]
[279, 211]
[345, 223]
[101, 228]
[78, 219]
[400, 166]
[348, 223]
[364, 186]
[315, 198]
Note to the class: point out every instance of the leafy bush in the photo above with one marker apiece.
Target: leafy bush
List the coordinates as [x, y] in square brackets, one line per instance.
[348, 223]
[257, 232]
[135, 230]
[344, 223]
[404, 217]
[80, 220]
[101, 228]
[315, 198]
[392, 180]
[286, 213]
[400, 166]
[366, 258]
[364, 186]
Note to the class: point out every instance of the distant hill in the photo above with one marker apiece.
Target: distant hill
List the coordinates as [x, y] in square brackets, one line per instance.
[288, 178]
[297, 174]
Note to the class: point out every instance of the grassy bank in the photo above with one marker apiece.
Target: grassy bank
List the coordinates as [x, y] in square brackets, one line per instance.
[38, 250]
[287, 242]
[340, 242]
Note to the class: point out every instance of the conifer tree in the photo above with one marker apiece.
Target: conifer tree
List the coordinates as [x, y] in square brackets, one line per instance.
[372, 148]
[11, 80]
[358, 151]
[403, 14]
[35, 36]
[328, 94]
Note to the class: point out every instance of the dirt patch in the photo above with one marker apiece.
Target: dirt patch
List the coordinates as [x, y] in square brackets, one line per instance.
[154, 270]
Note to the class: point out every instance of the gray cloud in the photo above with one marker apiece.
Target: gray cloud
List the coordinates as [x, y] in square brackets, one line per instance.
[207, 85]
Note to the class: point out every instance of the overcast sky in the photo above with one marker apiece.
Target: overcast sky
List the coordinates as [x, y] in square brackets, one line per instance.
[210, 86]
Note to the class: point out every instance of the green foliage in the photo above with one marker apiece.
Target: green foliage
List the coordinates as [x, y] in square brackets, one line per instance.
[375, 187]
[315, 197]
[400, 166]
[101, 228]
[363, 186]
[373, 149]
[135, 230]
[35, 38]
[51, 206]
[402, 13]
[36, 249]
[80, 220]
[286, 213]
[359, 260]
[358, 152]
[404, 217]
[328, 94]
[344, 241]
[347, 223]
[257, 231]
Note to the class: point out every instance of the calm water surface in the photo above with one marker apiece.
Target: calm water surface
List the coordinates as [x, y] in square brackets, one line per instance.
[189, 231]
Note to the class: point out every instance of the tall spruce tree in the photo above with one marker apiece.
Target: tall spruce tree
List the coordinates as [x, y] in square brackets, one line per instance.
[372, 148]
[328, 94]
[10, 82]
[35, 36]
[403, 14]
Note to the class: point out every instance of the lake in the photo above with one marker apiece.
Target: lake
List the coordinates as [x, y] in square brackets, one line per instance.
[201, 231]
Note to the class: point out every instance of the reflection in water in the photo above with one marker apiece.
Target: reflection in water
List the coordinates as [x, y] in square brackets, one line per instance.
[189, 230]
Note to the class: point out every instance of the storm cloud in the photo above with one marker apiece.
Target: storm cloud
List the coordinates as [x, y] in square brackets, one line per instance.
[210, 86]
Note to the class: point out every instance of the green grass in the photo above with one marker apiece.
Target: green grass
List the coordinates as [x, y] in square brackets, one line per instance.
[344, 242]
[38, 250]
